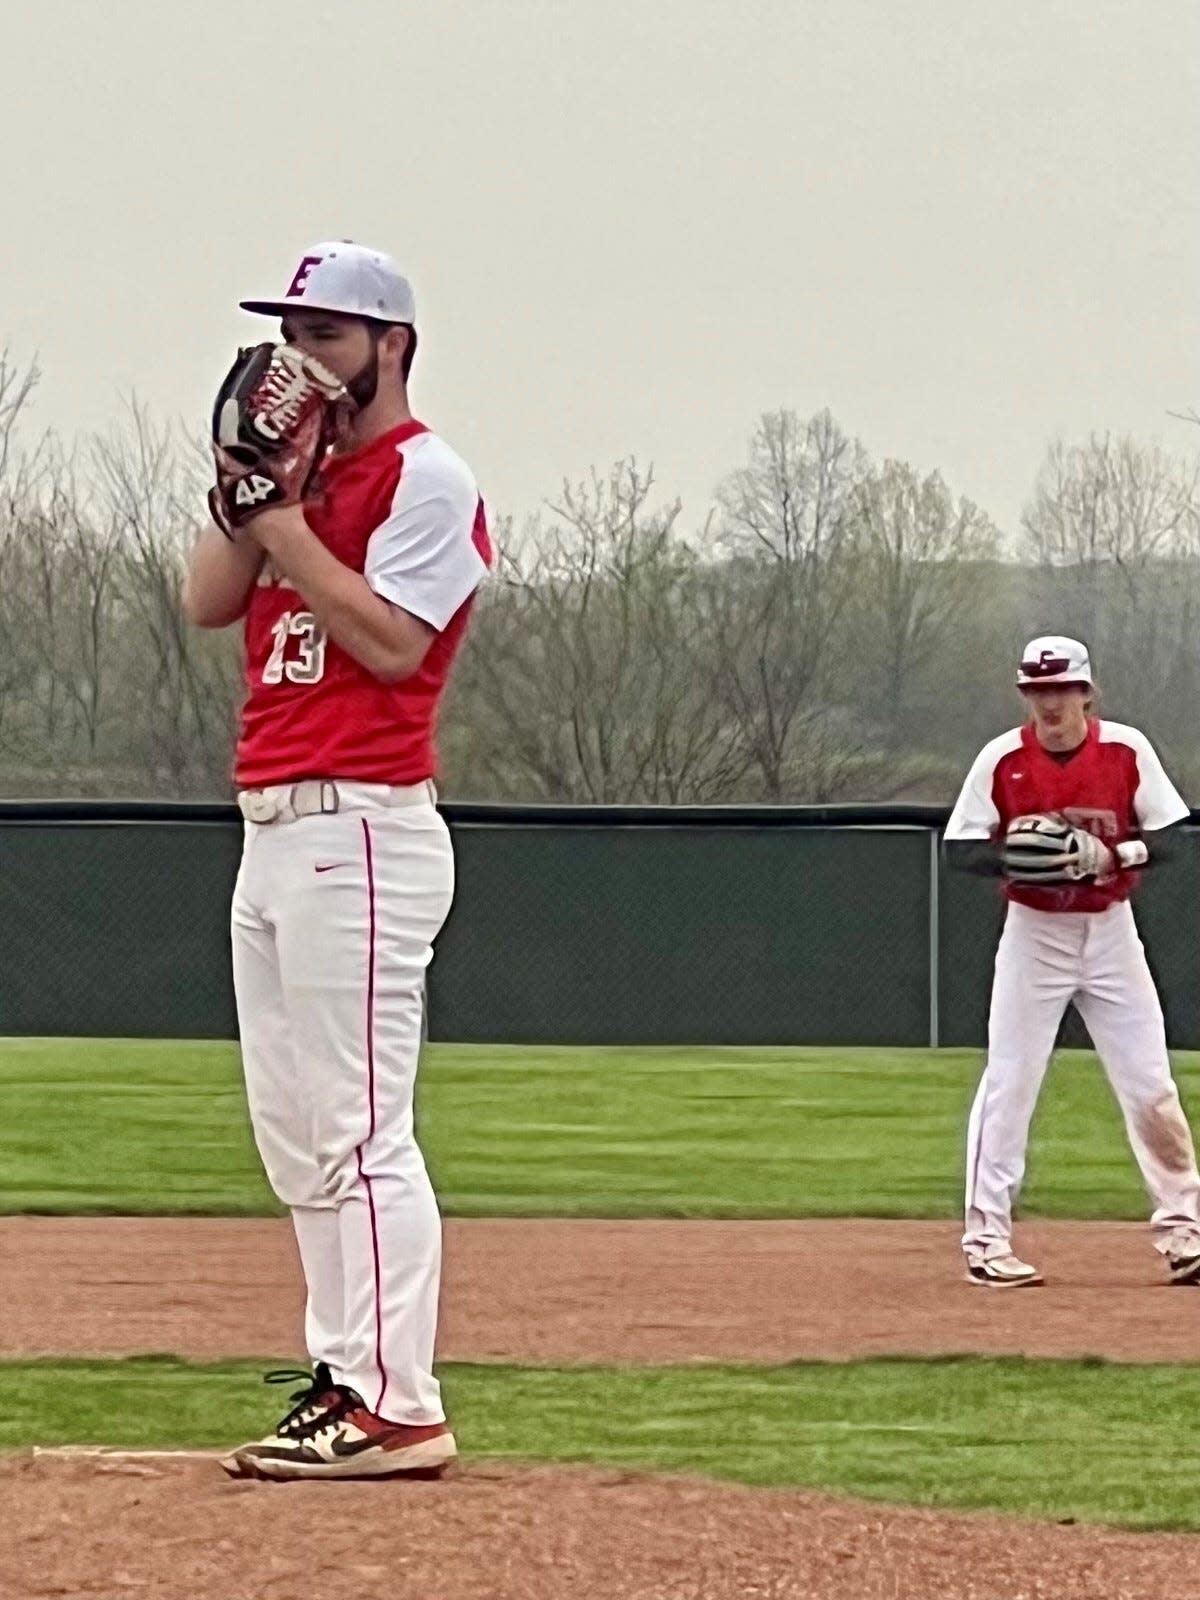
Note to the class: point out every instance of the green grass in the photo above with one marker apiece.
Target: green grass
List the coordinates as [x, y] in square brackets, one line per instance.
[1049, 1439]
[153, 1127]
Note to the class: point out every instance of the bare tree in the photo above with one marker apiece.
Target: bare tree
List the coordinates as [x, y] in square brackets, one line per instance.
[917, 577]
[1111, 503]
[788, 526]
[18, 651]
[1114, 536]
[149, 488]
[25, 679]
[64, 582]
[582, 678]
[16, 388]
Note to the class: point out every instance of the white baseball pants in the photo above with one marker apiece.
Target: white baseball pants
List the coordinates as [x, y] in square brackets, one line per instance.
[333, 921]
[1046, 960]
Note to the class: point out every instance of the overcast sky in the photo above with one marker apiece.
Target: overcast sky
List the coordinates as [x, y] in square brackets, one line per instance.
[632, 225]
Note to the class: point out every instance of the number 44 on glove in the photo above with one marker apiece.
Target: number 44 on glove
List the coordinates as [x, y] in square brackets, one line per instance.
[1046, 848]
[275, 417]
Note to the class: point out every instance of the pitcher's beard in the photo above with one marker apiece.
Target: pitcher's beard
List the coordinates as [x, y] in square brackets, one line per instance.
[362, 386]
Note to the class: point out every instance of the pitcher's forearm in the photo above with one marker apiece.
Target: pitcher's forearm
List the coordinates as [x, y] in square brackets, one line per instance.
[388, 641]
[221, 575]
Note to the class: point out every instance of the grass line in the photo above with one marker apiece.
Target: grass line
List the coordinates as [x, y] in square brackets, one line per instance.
[1091, 1441]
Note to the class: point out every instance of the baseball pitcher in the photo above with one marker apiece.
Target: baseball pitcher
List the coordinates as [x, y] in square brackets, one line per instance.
[348, 540]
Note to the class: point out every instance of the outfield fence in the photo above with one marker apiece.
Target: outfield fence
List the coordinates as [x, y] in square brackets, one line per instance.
[572, 925]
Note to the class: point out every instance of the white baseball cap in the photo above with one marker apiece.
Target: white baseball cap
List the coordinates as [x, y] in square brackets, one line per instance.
[1054, 659]
[339, 275]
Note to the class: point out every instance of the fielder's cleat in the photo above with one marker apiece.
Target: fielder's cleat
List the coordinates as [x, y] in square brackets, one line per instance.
[1184, 1262]
[1002, 1272]
[345, 1440]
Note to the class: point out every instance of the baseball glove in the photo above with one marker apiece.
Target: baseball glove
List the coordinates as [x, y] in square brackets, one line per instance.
[1046, 848]
[276, 414]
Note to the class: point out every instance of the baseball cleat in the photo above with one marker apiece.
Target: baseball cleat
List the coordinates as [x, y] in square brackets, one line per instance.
[340, 1438]
[317, 1391]
[1184, 1263]
[1002, 1272]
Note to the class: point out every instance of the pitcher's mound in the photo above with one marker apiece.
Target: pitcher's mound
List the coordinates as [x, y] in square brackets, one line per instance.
[146, 1525]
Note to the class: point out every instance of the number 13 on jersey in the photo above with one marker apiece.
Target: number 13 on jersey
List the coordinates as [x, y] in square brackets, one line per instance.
[308, 664]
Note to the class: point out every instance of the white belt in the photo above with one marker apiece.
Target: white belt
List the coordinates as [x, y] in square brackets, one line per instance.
[312, 797]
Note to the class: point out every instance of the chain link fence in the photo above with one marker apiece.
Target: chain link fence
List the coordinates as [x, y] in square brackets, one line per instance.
[834, 925]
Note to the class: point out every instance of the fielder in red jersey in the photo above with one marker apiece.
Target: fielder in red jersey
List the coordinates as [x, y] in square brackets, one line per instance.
[353, 607]
[1072, 941]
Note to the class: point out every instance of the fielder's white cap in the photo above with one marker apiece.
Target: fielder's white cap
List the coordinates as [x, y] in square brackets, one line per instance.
[341, 276]
[1054, 659]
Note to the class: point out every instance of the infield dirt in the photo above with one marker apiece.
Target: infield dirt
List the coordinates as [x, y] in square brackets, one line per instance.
[551, 1291]
[564, 1292]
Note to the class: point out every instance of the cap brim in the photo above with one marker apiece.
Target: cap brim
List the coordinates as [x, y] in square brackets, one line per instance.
[281, 308]
[265, 308]
[1055, 683]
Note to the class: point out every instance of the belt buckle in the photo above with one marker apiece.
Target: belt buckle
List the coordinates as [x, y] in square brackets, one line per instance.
[312, 797]
[258, 806]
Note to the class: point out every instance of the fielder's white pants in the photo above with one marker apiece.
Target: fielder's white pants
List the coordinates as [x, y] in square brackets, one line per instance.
[333, 922]
[1045, 961]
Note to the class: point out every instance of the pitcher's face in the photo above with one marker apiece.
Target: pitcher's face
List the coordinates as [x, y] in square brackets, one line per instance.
[340, 342]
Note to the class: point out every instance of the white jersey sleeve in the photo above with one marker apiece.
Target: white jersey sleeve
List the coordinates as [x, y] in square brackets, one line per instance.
[1156, 802]
[975, 815]
[424, 557]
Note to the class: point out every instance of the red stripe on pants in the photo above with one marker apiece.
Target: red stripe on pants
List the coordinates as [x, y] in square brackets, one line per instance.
[371, 922]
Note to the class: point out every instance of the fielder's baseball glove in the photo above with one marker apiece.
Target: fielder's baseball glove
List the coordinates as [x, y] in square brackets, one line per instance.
[275, 416]
[1045, 848]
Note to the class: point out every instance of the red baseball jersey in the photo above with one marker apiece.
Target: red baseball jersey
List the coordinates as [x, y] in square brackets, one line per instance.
[1114, 785]
[404, 511]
